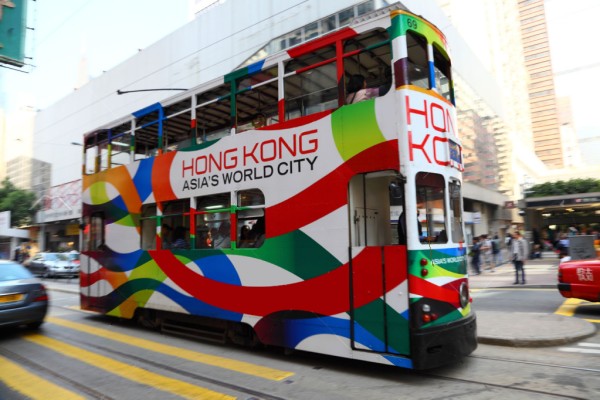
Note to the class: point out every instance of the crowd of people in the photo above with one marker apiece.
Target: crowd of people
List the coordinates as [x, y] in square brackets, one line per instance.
[486, 254]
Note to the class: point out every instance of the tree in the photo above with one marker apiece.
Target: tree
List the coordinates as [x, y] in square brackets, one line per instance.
[19, 202]
[558, 188]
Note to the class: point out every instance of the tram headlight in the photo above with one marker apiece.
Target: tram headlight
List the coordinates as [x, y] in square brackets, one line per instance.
[463, 294]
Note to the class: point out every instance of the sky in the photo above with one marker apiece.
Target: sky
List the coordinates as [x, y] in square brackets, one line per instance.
[103, 32]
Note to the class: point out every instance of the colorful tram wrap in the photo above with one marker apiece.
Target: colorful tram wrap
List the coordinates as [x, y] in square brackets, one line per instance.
[302, 233]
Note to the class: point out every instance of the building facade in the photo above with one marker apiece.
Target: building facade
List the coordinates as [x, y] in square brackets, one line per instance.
[542, 95]
[29, 174]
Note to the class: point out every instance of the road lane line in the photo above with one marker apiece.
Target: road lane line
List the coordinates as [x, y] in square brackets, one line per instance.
[578, 350]
[157, 347]
[136, 374]
[31, 385]
[589, 344]
[568, 307]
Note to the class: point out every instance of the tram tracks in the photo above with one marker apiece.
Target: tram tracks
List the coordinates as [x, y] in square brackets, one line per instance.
[515, 388]
[541, 364]
[503, 387]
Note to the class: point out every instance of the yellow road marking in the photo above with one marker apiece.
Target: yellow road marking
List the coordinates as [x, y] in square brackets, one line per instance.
[139, 375]
[30, 385]
[569, 306]
[221, 362]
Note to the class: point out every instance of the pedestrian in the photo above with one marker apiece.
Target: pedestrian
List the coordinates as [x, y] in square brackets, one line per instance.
[497, 251]
[520, 252]
[487, 253]
[475, 256]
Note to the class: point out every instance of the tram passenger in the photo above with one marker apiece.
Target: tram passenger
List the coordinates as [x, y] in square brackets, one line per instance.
[166, 234]
[259, 121]
[383, 89]
[358, 90]
[222, 240]
[257, 234]
[245, 240]
[401, 229]
[179, 241]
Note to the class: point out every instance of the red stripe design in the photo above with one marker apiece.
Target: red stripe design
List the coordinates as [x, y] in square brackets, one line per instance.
[330, 192]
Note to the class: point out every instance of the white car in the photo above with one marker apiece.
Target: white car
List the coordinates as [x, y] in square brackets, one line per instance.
[53, 265]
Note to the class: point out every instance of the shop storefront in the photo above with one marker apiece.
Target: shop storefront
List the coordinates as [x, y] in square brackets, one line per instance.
[59, 218]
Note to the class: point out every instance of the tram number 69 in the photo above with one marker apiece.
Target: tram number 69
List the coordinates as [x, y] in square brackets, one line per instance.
[412, 24]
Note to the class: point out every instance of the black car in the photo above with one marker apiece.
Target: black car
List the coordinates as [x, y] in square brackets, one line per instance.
[23, 297]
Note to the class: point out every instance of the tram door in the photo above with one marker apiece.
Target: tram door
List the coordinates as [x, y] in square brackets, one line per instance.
[378, 267]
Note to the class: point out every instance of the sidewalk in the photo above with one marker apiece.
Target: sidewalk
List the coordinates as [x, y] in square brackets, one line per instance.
[526, 329]
[540, 272]
[498, 328]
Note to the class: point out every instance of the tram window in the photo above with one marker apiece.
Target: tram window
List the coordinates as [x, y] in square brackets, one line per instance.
[95, 232]
[431, 207]
[373, 60]
[100, 142]
[456, 217]
[120, 149]
[257, 96]
[213, 228]
[442, 74]
[213, 115]
[250, 218]
[176, 214]
[103, 150]
[90, 155]
[148, 227]
[177, 132]
[418, 66]
[311, 89]
[146, 135]
[398, 225]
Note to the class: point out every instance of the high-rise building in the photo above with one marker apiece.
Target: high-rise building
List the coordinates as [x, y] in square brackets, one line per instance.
[29, 174]
[491, 30]
[542, 96]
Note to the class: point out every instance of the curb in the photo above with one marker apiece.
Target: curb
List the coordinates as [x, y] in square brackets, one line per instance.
[530, 329]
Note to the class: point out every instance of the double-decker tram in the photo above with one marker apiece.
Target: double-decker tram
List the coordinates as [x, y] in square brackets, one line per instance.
[311, 200]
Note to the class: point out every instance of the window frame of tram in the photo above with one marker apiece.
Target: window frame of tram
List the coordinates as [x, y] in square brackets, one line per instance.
[431, 198]
[371, 57]
[456, 211]
[442, 72]
[250, 209]
[176, 214]
[417, 67]
[94, 238]
[212, 217]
